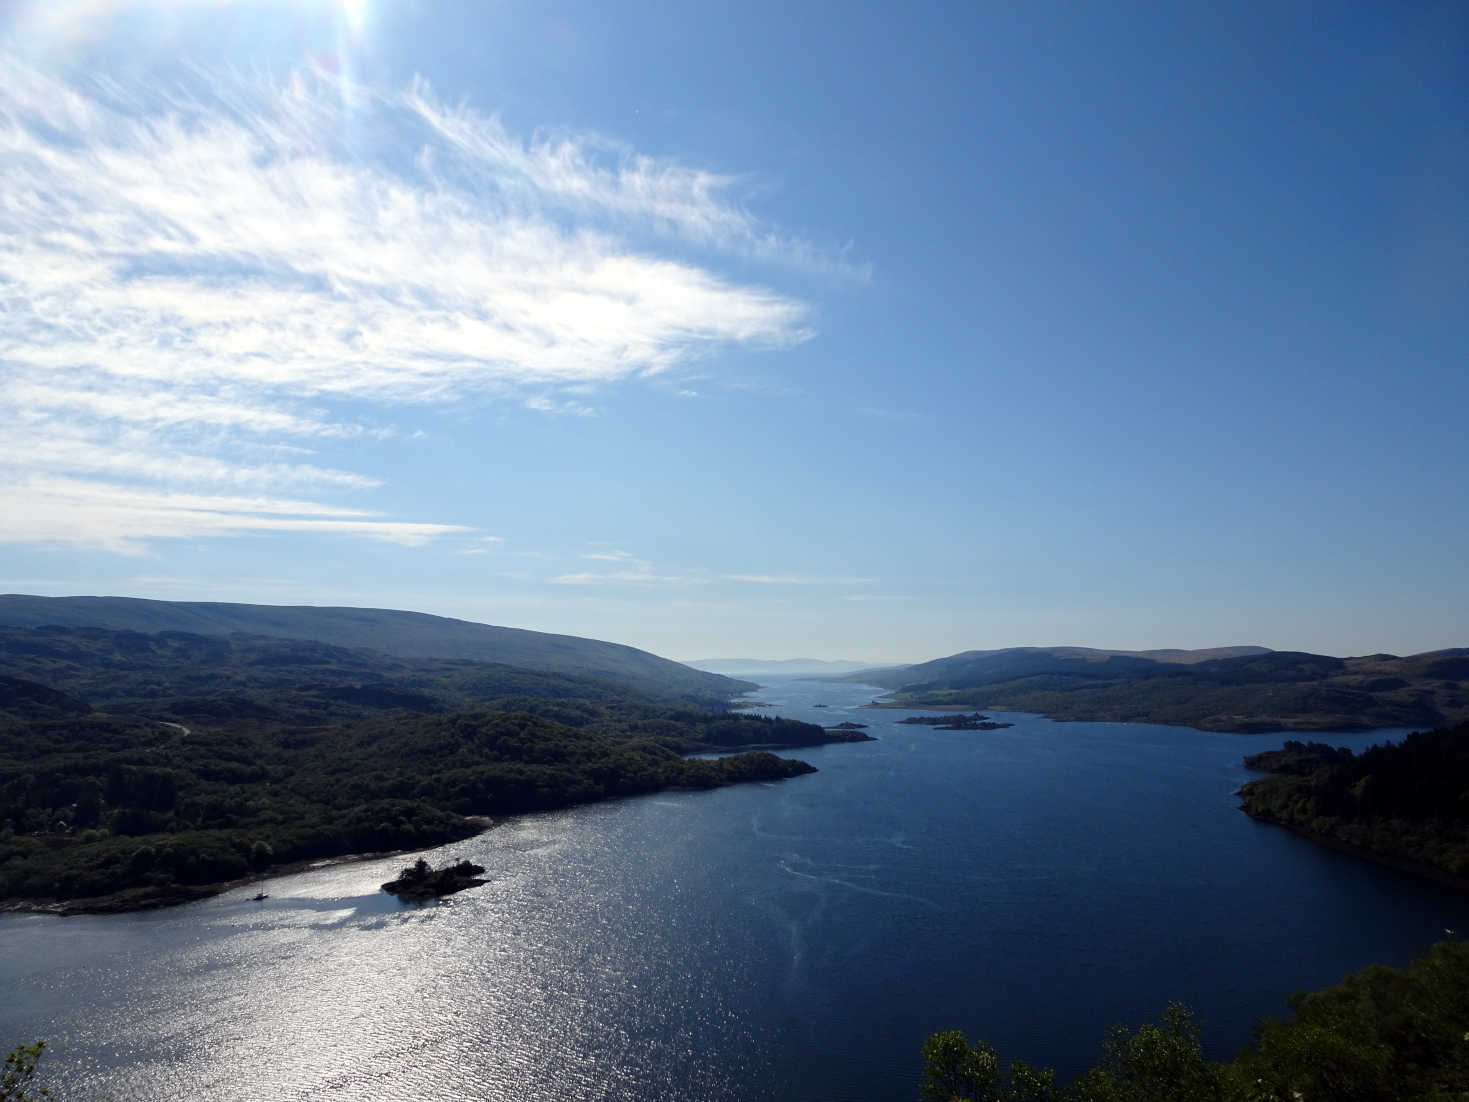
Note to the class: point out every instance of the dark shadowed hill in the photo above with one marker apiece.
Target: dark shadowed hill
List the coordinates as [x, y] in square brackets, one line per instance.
[403, 634]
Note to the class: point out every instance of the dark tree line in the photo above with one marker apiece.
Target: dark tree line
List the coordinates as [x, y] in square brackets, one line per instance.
[1406, 802]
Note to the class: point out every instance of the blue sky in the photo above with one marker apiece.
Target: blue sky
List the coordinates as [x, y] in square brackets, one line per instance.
[841, 330]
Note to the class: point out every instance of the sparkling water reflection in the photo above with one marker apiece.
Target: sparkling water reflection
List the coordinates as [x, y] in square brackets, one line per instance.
[794, 940]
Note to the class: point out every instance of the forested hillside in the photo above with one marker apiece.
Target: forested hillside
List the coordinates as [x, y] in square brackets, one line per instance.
[1406, 804]
[137, 769]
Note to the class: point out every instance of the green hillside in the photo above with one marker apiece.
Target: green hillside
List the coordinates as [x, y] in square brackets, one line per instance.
[1257, 690]
[139, 769]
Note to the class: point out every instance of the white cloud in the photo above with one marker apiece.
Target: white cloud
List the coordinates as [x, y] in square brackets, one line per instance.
[634, 570]
[486, 544]
[641, 577]
[53, 510]
[595, 175]
[188, 277]
[794, 579]
[616, 556]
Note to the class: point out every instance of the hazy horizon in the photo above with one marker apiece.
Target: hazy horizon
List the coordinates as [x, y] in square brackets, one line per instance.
[843, 330]
[756, 661]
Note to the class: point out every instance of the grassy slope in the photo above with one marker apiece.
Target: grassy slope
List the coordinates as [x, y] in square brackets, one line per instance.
[402, 634]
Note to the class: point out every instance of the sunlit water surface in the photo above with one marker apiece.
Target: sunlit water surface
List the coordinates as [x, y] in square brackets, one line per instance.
[795, 940]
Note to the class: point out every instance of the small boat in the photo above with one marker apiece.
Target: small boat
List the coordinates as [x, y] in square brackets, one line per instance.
[258, 896]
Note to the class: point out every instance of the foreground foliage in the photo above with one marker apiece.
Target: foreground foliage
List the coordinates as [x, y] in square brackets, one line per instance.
[18, 1080]
[1381, 1035]
[1406, 803]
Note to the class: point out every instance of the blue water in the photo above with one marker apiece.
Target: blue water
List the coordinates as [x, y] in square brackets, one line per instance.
[795, 940]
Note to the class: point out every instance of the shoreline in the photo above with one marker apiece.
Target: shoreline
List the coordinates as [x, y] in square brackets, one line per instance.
[1243, 726]
[1397, 864]
[110, 905]
[123, 903]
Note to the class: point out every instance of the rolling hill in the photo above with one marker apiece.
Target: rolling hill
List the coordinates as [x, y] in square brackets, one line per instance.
[387, 631]
[982, 667]
[1225, 689]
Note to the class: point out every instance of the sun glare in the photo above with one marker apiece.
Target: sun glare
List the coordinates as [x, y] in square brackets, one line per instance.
[356, 13]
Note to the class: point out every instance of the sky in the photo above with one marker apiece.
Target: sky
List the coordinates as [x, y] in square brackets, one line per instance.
[840, 330]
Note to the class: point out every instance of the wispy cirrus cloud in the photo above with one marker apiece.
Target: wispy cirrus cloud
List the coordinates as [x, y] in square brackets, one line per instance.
[631, 569]
[597, 175]
[189, 276]
[794, 579]
[126, 520]
[482, 546]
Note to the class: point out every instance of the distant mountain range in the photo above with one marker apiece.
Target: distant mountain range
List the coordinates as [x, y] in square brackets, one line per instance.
[401, 634]
[755, 667]
[1221, 689]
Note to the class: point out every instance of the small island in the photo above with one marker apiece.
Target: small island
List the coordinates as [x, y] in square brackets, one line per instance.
[974, 722]
[849, 732]
[420, 882]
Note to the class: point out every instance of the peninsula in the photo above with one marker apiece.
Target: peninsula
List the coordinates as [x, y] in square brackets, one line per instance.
[1401, 805]
[143, 769]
